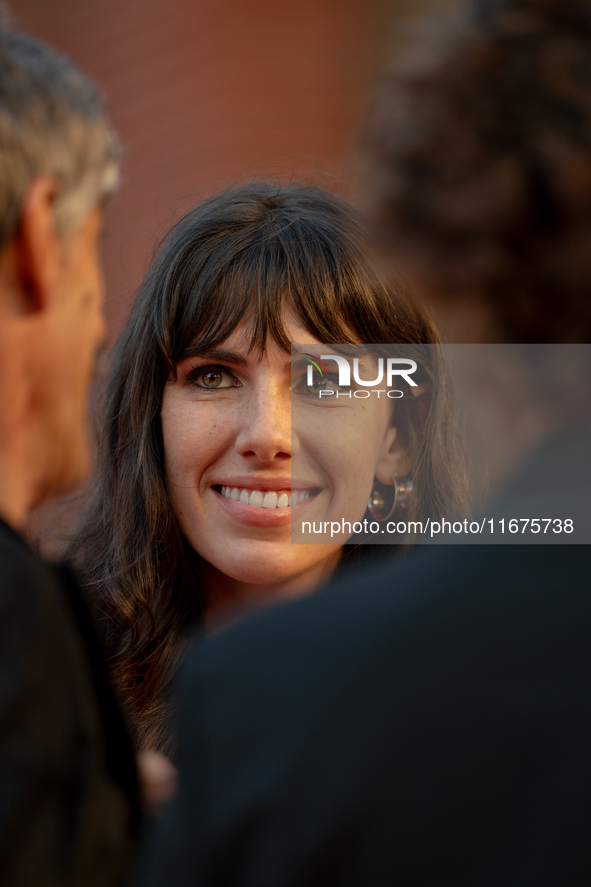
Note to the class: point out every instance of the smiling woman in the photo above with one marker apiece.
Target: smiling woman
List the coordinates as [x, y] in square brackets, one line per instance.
[189, 517]
[228, 452]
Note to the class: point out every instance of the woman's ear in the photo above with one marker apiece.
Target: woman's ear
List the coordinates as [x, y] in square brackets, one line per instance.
[393, 460]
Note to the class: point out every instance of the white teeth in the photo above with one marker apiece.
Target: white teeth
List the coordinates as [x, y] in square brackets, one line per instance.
[296, 498]
[270, 500]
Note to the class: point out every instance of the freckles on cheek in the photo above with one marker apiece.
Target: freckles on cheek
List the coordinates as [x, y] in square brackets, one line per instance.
[175, 437]
[192, 437]
[179, 449]
[350, 441]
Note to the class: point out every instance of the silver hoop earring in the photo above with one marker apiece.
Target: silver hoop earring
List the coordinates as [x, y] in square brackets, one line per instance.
[403, 493]
[403, 489]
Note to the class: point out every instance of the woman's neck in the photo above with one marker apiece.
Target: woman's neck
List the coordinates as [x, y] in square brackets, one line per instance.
[227, 600]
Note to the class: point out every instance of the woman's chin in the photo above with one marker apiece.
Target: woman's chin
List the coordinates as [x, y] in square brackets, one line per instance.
[260, 573]
[312, 566]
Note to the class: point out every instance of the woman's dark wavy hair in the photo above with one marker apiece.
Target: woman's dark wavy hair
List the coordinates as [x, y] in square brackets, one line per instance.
[479, 146]
[242, 256]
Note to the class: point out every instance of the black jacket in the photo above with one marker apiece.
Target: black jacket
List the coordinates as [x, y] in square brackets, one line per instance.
[425, 723]
[68, 792]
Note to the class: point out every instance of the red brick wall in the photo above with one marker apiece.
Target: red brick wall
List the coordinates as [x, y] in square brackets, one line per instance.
[204, 93]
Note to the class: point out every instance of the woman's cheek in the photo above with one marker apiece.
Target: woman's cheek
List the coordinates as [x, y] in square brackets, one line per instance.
[350, 443]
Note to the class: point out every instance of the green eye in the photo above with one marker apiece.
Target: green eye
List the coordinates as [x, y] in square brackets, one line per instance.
[319, 385]
[325, 384]
[211, 379]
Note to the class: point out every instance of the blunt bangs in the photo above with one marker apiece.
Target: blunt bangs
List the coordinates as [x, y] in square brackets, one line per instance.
[254, 253]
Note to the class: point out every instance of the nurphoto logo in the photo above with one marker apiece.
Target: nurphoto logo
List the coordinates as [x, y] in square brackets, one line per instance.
[395, 366]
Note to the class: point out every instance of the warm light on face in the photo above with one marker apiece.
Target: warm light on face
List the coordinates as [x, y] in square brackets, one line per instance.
[230, 449]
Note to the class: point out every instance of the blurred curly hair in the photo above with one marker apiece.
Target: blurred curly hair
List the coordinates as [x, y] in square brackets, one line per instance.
[480, 163]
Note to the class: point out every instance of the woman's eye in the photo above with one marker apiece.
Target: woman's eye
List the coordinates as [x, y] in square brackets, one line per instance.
[318, 385]
[326, 383]
[211, 378]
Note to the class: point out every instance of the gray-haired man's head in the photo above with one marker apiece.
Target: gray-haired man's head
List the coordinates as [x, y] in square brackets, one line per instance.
[58, 162]
[52, 122]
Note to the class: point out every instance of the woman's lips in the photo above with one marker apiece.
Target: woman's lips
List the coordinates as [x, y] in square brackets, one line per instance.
[265, 508]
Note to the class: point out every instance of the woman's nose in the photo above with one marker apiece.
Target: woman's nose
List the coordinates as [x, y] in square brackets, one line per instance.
[265, 430]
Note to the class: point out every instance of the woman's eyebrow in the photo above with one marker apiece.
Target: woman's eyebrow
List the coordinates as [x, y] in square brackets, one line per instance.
[220, 354]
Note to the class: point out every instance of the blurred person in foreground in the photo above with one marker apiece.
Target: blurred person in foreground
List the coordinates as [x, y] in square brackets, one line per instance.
[67, 773]
[435, 728]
